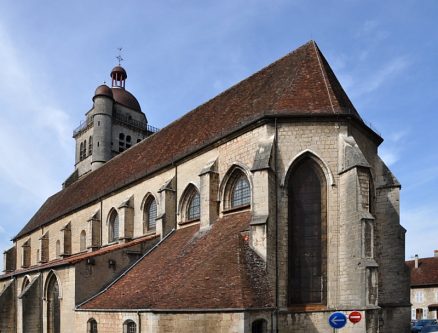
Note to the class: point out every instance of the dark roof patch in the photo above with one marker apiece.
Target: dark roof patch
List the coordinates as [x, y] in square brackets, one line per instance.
[212, 270]
[426, 273]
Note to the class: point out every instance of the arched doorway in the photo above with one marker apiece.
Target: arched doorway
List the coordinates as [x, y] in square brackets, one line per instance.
[307, 234]
[53, 306]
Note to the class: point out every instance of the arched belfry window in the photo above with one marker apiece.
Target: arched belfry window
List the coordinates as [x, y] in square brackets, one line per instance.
[113, 227]
[307, 238]
[92, 326]
[237, 190]
[190, 204]
[53, 306]
[150, 214]
[129, 326]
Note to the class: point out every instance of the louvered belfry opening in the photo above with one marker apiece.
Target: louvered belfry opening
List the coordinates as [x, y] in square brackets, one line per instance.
[53, 306]
[307, 256]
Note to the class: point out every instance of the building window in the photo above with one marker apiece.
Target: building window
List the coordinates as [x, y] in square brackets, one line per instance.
[92, 326]
[150, 214]
[128, 141]
[129, 327]
[307, 234]
[241, 192]
[237, 191]
[419, 296]
[53, 306]
[121, 142]
[113, 227]
[194, 207]
[83, 241]
[90, 145]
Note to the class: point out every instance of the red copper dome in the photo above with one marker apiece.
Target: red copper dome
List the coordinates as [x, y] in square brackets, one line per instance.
[118, 73]
[125, 98]
[103, 90]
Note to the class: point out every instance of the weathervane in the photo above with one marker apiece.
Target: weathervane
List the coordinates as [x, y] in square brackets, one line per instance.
[119, 57]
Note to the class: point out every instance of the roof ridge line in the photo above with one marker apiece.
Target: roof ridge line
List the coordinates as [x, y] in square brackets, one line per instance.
[323, 76]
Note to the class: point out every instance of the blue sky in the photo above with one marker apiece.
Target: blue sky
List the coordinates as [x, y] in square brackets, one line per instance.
[179, 54]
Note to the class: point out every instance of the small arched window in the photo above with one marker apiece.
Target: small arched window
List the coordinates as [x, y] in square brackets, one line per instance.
[92, 326]
[237, 190]
[83, 241]
[150, 214]
[194, 206]
[129, 327]
[113, 227]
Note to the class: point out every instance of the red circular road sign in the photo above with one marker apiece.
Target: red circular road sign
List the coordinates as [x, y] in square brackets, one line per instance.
[355, 317]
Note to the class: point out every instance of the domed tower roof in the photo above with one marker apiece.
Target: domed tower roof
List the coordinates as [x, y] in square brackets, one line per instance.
[103, 90]
[125, 98]
[119, 73]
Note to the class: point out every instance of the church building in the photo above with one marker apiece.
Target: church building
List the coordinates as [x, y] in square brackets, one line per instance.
[265, 209]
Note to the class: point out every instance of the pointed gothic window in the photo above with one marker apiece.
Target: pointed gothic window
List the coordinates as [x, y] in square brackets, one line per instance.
[307, 259]
[150, 214]
[92, 326]
[113, 227]
[53, 306]
[194, 207]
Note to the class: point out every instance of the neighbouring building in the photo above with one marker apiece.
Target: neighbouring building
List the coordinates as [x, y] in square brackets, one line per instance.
[264, 209]
[424, 287]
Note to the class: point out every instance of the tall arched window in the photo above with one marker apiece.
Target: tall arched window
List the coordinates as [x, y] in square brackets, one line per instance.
[92, 326]
[83, 241]
[129, 326]
[150, 214]
[307, 255]
[113, 227]
[190, 205]
[194, 207]
[121, 142]
[90, 145]
[81, 151]
[237, 192]
[53, 306]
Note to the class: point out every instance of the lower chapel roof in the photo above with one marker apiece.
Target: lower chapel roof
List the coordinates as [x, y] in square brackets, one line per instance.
[301, 84]
[193, 269]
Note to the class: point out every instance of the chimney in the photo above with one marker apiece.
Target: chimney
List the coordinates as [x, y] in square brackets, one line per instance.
[416, 261]
[435, 253]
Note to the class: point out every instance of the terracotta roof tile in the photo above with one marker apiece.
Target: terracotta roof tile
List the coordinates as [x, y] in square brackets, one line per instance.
[426, 273]
[299, 84]
[194, 270]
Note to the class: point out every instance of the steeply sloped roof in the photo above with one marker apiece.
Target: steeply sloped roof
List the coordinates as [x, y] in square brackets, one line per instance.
[301, 84]
[215, 269]
[426, 273]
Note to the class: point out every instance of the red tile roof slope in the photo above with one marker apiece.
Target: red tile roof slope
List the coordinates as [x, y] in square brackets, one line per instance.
[299, 84]
[192, 270]
[426, 273]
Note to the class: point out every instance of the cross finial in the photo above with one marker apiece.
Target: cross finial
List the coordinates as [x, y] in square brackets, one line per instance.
[119, 57]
